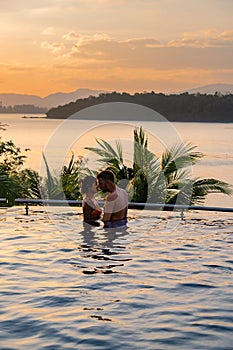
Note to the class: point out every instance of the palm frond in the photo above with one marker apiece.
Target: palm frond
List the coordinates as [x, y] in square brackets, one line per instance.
[180, 192]
[119, 151]
[140, 147]
[50, 180]
[140, 137]
[107, 147]
[212, 186]
[194, 191]
[105, 151]
[52, 187]
[113, 159]
[179, 156]
[68, 169]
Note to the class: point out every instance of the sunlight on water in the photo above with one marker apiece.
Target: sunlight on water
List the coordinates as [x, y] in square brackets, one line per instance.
[145, 287]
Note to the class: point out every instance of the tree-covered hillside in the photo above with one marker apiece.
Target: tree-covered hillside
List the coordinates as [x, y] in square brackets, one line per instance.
[184, 107]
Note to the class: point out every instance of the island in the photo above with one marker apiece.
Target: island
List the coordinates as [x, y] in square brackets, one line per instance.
[184, 107]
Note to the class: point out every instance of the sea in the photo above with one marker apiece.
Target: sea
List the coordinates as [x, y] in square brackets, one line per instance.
[59, 139]
[163, 282]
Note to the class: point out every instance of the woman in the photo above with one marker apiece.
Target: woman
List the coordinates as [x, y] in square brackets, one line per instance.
[91, 208]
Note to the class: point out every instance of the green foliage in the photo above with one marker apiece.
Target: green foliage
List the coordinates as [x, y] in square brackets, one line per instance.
[18, 182]
[66, 184]
[51, 187]
[11, 158]
[8, 188]
[159, 180]
[113, 159]
[70, 178]
[11, 162]
[201, 187]
[30, 184]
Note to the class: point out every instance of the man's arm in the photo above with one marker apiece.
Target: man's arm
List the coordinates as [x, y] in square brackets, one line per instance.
[109, 206]
[107, 217]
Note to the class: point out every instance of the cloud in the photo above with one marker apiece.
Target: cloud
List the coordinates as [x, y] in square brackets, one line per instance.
[139, 61]
[53, 47]
[188, 51]
[204, 38]
[101, 44]
[141, 42]
[70, 36]
[226, 35]
[80, 38]
[201, 39]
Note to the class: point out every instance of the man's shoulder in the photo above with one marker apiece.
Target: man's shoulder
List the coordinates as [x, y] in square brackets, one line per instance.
[121, 191]
[117, 193]
[111, 196]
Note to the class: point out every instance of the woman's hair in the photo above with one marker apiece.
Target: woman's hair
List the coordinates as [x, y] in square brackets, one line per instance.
[86, 183]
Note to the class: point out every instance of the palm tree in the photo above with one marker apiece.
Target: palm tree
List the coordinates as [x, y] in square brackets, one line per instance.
[66, 184]
[159, 180]
[70, 178]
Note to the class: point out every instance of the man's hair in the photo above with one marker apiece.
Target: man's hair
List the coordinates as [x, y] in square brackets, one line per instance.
[106, 175]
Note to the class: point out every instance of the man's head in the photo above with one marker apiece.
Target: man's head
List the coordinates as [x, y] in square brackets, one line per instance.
[106, 181]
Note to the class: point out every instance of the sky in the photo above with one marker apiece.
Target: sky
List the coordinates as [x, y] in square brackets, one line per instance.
[165, 46]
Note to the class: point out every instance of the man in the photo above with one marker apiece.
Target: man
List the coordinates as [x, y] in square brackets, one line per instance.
[116, 203]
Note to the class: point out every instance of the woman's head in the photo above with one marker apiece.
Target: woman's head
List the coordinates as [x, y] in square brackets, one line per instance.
[88, 184]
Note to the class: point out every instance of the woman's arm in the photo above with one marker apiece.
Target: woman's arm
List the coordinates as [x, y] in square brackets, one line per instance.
[91, 213]
[87, 210]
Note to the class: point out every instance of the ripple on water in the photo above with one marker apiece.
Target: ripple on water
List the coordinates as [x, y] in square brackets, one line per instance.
[145, 288]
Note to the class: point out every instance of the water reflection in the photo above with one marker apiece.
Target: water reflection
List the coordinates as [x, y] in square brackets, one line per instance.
[74, 288]
[103, 245]
[88, 235]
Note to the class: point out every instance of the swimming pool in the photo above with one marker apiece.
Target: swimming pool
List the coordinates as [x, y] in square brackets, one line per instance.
[151, 286]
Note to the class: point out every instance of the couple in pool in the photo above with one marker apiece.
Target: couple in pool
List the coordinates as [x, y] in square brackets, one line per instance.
[115, 204]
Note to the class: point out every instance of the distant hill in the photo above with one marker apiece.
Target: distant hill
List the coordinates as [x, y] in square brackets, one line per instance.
[185, 107]
[63, 98]
[53, 100]
[212, 89]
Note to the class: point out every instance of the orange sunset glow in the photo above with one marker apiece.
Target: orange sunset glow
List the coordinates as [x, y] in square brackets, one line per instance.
[166, 46]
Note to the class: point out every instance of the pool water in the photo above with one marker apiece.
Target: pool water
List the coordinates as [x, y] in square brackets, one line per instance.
[151, 286]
